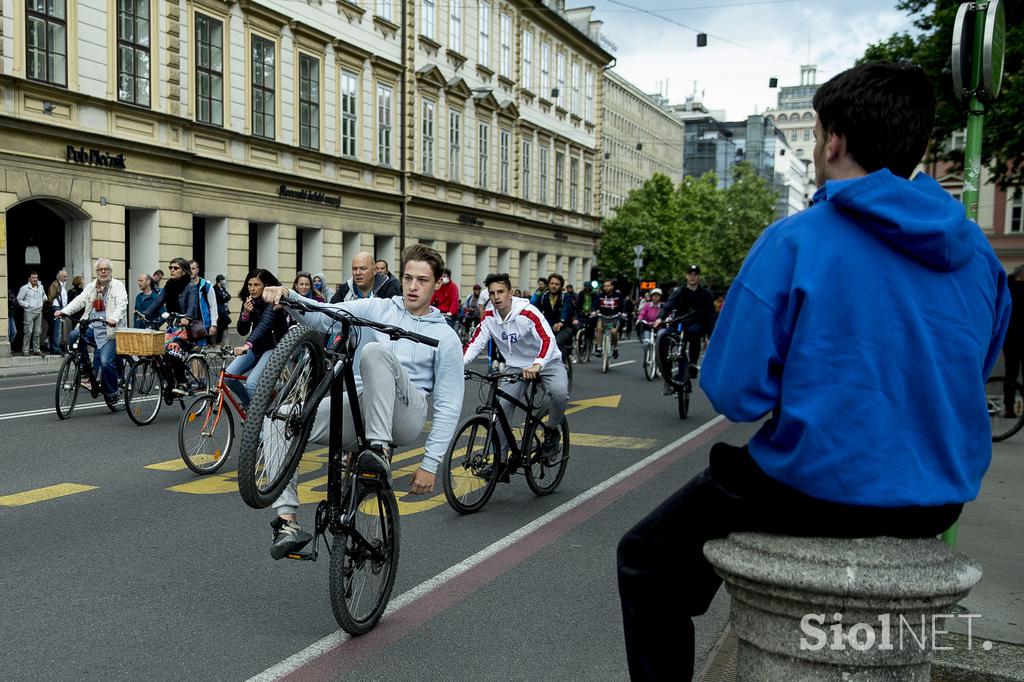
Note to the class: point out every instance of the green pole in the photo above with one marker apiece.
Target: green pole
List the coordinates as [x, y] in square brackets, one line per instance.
[972, 153]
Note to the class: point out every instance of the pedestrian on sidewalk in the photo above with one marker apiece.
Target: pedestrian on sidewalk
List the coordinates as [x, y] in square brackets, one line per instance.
[877, 420]
[57, 296]
[31, 297]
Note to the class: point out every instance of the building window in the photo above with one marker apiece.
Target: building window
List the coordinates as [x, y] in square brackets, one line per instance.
[560, 75]
[542, 188]
[47, 41]
[427, 157]
[133, 52]
[455, 26]
[209, 70]
[545, 70]
[349, 117]
[527, 76]
[589, 113]
[484, 132]
[505, 140]
[484, 58]
[427, 28]
[807, 134]
[309, 102]
[505, 36]
[262, 87]
[1017, 211]
[574, 183]
[958, 140]
[454, 145]
[559, 179]
[384, 125]
[575, 102]
[527, 155]
[794, 135]
[588, 187]
[384, 9]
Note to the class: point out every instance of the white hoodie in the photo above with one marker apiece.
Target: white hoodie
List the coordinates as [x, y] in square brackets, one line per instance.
[524, 337]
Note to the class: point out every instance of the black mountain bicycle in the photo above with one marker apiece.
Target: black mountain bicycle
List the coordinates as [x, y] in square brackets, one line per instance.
[473, 464]
[360, 511]
[76, 372]
[673, 362]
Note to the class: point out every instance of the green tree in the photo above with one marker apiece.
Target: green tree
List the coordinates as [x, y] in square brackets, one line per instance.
[649, 216]
[1003, 142]
[749, 208]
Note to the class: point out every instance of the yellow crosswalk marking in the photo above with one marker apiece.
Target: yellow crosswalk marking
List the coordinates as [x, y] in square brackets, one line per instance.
[176, 464]
[49, 492]
[593, 440]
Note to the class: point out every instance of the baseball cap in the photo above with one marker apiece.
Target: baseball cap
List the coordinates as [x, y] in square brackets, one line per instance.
[655, 291]
[693, 268]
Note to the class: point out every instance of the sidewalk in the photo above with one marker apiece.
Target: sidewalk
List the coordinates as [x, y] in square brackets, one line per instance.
[19, 366]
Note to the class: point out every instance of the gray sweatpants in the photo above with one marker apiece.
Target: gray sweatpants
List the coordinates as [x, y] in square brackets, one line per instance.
[394, 411]
[556, 383]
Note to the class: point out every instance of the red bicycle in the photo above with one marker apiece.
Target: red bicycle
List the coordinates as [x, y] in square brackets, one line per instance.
[207, 430]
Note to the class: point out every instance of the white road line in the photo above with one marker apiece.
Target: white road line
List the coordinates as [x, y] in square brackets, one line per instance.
[620, 364]
[47, 410]
[317, 649]
[14, 388]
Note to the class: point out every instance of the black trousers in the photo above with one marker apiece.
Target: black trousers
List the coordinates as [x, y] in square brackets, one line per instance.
[664, 579]
[1014, 364]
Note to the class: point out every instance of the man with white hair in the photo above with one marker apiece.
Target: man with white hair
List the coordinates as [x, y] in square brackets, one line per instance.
[104, 298]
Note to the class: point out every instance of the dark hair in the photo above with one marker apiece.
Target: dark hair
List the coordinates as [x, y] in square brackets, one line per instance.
[885, 110]
[182, 263]
[158, 271]
[555, 275]
[33, 272]
[498, 278]
[265, 276]
[298, 276]
[542, 279]
[422, 252]
[381, 260]
[447, 271]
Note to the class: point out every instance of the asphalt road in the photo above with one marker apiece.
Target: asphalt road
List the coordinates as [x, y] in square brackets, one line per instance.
[137, 569]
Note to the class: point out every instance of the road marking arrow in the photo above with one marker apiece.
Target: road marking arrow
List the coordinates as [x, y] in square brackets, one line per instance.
[605, 401]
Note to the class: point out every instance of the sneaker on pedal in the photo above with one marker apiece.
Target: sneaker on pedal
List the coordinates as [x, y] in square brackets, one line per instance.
[180, 390]
[552, 440]
[288, 538]
[667, 390]
[694, 371]
[615, 353]
[376, 459]
[597, 352]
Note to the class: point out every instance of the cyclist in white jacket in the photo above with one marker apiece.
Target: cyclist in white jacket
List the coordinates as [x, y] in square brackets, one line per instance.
[527, 342]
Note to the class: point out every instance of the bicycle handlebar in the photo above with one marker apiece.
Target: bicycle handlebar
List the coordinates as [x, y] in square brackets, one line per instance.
[394, 333]
[170, 318]
[510, 377]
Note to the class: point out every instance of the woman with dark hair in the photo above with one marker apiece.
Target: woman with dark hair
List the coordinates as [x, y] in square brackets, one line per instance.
[264, 324]
[303, 285]
[180, 296]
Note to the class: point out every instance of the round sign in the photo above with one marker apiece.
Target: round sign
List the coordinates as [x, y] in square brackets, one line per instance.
[993, 49]
[961, 55]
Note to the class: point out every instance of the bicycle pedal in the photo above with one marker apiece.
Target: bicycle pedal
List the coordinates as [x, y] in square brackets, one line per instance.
[301, 556]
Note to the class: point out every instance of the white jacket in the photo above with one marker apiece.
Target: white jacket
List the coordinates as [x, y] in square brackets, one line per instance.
[524, 337]
[117, 300]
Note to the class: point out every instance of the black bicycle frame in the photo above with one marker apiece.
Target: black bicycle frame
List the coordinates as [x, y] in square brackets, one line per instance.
[493, 407]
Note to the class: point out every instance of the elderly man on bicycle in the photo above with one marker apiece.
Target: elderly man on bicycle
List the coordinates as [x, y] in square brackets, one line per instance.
[106, 299]
[527, 342]
[397, 378]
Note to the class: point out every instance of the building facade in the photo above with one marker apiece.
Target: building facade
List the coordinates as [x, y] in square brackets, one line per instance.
[795, 116]
[292, 135]
[641, 137]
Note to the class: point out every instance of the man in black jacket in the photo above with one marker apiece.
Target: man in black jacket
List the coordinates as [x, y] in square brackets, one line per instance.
[559, 311]
[365, 283]
[692, 298]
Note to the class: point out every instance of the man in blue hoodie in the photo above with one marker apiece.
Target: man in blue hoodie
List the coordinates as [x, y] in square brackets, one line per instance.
[397, 380]
[864, 327]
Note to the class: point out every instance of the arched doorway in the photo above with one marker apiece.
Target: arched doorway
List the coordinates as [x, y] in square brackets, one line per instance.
[44, 235]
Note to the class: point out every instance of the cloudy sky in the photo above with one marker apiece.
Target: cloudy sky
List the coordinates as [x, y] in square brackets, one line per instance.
[776, 36]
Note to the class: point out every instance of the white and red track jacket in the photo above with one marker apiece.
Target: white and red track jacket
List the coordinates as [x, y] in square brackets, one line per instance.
[524, 337]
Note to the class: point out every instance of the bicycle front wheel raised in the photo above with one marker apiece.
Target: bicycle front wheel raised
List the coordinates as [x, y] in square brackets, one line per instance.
[145, 392]
[205, 433]
[469, 470]
[275, 433]
[1005, 401]
[68, 382]
[545, 472]
[364, 561]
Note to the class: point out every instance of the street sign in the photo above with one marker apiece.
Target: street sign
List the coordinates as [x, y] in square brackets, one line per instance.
[638, 263]
[963, 28]
[638, 249]
[993, 48]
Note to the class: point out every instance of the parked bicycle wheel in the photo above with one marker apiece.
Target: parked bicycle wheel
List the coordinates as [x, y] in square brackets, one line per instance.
[274, 435]
[364, 561]
[469, 470]
[206, 431]
[1005, 400]
[69, 380]
[543, 473]
[145, 391]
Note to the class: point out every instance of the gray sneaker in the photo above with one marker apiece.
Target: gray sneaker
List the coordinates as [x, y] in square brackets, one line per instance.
[376, 459]
[551, 447]
[288, 538]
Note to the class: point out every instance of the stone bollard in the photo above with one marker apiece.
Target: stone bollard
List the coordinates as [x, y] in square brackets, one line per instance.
[848, 610]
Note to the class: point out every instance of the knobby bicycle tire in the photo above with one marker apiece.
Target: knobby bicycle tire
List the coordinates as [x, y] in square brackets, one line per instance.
[145, 391]
[1007, 418]
[464, 480]
[69, 380]
[294, 371]
[376, 510]
[205, 451]
[541, 476]
[683, 397]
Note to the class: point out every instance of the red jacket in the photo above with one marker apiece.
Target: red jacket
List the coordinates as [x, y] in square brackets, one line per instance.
[446, 299]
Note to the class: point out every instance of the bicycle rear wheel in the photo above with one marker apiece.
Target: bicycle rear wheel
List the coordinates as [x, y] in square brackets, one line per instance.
[582, 346]
[198, 374]
[274, 435]
[206, 431]
[544, 474]
[1005, 401]
[606, 351]
[364, 561]
[145, 391]
[69, 379]
[683, 397]
[469, 470]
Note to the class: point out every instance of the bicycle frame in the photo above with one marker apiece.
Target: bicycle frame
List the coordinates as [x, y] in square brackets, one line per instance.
[224, 394]
[497, 415]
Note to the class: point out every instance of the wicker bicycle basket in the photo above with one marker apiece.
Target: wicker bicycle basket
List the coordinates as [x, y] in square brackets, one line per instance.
[139, 342]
